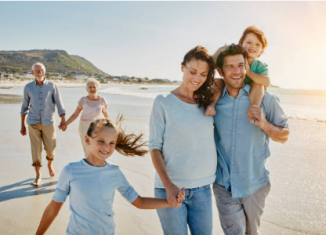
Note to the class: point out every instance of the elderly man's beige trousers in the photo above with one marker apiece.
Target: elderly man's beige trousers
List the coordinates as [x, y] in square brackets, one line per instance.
[39, 134]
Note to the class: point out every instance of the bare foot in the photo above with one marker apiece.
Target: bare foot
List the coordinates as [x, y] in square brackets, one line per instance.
[37, 181]
[210, 111]
[51, 171]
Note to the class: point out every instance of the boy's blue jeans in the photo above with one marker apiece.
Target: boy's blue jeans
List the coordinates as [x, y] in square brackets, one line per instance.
[195, 211]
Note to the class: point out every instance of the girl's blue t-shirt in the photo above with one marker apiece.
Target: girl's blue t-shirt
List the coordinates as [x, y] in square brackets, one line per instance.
[91, 191]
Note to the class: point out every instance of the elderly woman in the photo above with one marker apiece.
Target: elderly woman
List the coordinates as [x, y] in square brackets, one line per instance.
[182, 147]
[92, 106]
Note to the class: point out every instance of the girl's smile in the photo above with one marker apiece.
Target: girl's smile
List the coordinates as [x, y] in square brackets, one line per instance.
[101, 145]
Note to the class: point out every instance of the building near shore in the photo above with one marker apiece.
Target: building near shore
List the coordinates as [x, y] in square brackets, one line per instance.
[80, 77]
[28, 75]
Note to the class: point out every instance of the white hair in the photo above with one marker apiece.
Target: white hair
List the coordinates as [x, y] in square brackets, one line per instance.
[38, 64]
[93, 80]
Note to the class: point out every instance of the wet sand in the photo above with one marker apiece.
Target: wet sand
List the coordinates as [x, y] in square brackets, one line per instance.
[296, 204]
[10, 99]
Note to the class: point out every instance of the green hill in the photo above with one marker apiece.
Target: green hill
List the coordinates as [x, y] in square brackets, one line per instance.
[55, 61]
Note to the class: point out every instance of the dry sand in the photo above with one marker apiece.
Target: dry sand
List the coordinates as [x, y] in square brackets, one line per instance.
[295, 205]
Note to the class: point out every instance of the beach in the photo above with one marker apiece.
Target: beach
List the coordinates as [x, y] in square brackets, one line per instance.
[295, 204]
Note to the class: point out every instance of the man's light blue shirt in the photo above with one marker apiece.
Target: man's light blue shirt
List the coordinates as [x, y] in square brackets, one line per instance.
[39, 102]
[243, 148]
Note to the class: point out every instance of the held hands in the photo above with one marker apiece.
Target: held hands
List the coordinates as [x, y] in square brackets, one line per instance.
[62, 126]
[181, 196]
[174, 196]
[255, 112]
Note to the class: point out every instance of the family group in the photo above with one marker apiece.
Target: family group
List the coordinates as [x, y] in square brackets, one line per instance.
[207, 137]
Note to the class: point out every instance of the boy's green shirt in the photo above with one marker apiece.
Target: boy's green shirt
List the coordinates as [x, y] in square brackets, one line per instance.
[257, 67]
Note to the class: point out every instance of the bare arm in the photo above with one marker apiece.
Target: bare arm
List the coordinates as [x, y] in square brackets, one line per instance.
[260, 79]
[150, 203]
[156, 203]
[276, 133]
[256, 94]
[172, 191]
[23, 127]
[48, 217]
[217, 89]
[74, 115]
[105, 107]
[105, 113]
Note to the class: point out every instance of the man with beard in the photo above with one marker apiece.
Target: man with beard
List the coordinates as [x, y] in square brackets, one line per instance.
[40, 98]
[242, 180]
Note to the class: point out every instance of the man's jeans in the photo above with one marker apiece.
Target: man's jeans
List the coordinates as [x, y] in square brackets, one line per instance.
[240, 216]
[195, 210]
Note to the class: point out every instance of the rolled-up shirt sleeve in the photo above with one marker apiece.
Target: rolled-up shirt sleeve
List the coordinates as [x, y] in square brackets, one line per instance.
[276, 114]
[25, 105]
[125, 189]
[58, 101]
[63, 188]
[157, 125]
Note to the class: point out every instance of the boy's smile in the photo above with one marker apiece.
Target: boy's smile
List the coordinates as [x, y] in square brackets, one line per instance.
[252, 45]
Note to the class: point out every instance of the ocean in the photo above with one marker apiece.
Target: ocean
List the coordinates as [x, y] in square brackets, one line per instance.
[297, 104]
[295, 206]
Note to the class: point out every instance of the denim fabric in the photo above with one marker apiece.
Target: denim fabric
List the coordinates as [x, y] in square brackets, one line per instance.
[239, 216]
[243, 148]
[195, 211]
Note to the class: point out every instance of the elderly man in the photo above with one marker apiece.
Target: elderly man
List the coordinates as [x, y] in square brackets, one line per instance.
[40, 98]
[242, 182]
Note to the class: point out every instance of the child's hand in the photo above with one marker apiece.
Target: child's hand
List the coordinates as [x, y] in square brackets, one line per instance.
[181, 196]
[64, 127]
[219, 51]
[210, 111]
[247, 66]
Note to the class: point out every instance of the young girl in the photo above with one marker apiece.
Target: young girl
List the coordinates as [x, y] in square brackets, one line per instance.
[92, 182]
[254, 42]
[92, 106]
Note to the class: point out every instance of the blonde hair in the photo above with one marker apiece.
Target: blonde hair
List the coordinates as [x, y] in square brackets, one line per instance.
[93, 80]
[127, 144]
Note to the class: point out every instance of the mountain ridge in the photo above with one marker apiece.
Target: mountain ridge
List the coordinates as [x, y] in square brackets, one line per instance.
[55, 61]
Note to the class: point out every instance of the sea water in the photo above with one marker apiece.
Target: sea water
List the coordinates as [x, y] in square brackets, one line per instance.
[297, 104]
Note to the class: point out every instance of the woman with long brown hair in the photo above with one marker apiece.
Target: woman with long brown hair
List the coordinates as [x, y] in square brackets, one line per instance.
[183, 149]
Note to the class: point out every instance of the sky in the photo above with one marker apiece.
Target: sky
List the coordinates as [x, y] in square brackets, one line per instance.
[150, 39]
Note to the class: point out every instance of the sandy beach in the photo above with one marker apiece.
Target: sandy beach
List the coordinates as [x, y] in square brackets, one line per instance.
[295, 205]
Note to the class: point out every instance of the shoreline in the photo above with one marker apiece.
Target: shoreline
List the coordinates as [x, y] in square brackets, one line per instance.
[296, 169]
[7, 84]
